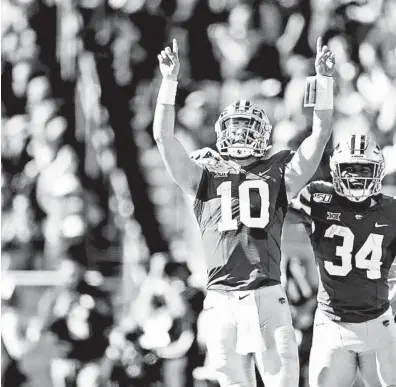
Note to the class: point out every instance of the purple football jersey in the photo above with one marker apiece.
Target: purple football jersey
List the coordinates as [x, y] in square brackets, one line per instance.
[240, 211]
[354, 250]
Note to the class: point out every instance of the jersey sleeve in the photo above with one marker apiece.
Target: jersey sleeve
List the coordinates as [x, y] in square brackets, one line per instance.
[207, 162]
[202, 192]
[301, 204]
[392, 270]
[289, 156]
[203, 184]
[284, 157]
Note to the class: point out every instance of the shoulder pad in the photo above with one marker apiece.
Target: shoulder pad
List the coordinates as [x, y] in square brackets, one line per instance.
[207, 162]
[390, 203]
[285, 155]
[321, 191]
[319, 186]
[390, 199]
[218, 166]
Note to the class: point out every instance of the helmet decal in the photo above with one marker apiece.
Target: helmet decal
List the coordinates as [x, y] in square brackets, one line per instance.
[358, 146]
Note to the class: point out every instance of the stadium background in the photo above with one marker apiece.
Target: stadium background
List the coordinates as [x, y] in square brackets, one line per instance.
[79, 164]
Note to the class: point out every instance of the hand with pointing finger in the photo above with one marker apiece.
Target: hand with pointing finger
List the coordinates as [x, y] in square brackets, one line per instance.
[325, 60]
[169, 62]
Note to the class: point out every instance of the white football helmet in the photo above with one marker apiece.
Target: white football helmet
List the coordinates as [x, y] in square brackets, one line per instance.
[243, 130]
[362, 151]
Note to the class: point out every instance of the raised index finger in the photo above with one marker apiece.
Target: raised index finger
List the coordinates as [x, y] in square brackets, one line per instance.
[175, 47]
[319, 44]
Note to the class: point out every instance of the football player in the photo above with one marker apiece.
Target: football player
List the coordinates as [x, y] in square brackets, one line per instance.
[240, 202]
[352, 228]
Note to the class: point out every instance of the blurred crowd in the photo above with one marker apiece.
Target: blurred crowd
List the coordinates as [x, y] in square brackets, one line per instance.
[83, 186]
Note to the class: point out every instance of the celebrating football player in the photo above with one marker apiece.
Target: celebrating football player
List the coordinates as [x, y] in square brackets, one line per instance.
[241, 196]
[352, 227]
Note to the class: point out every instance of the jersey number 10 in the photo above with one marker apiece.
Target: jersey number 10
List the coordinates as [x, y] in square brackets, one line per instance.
[227, 223]
[368, 257]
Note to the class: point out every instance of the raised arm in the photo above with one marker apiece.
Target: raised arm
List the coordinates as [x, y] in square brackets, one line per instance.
[184, 171]
[306, 160]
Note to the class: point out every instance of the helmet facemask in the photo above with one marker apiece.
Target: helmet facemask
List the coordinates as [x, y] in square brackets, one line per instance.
[357, 181]
[242, 135]
[357, 167]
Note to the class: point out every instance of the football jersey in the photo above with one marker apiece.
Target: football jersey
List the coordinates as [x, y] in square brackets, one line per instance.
[240, 211]
[354, 250]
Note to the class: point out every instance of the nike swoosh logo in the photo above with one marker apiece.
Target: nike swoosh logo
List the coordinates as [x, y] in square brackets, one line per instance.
[261, 174]
[242, 297]
[381, 225]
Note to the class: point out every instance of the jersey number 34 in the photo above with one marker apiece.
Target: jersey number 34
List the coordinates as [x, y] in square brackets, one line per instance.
[227, 223]
[368, 257]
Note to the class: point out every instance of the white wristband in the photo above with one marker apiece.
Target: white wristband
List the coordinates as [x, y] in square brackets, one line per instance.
[324, 93]
[167, 92]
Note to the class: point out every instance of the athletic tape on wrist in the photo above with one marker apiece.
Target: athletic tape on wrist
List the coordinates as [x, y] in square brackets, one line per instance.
[319, 92]
[167, 92]
[324, 93]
